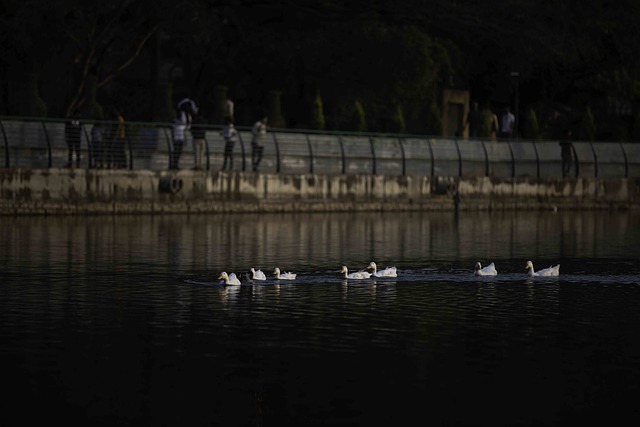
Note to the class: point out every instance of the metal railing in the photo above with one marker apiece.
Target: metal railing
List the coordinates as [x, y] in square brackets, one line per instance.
[38, 143]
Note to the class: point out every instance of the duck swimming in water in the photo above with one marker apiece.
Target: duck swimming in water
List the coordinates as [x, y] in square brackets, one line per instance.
[545, 272]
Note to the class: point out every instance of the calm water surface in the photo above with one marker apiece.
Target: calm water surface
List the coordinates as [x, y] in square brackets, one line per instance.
[107, 321]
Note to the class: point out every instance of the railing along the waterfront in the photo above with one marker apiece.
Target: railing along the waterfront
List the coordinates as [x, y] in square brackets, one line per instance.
[38, 143]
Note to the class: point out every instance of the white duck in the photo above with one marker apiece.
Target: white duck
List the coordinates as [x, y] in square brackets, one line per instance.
[489, 270]
[283, 276]
[387, 272]
[229, 279]
[551, 271]
[257, 274]
[356, 275]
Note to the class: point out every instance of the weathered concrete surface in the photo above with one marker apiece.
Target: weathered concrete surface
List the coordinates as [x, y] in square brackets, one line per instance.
[82, 191]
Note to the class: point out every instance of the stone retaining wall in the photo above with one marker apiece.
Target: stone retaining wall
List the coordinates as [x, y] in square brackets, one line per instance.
[89, 191]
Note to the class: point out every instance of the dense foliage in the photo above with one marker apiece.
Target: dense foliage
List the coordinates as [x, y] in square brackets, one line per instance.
[384, 61]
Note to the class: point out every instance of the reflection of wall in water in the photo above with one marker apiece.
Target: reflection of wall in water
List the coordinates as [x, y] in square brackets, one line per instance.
[209, 243]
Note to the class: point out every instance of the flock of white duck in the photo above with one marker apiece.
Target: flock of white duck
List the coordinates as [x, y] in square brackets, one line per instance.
[372, 271]
[490, 270]
[232, 279]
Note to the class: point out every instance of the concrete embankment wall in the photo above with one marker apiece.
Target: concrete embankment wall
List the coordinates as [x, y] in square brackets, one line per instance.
[89, 191]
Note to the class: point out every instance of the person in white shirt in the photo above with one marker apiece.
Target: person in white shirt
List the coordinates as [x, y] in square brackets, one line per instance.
[257, 143]
[507, 123]
[230, 134]
[182, 123]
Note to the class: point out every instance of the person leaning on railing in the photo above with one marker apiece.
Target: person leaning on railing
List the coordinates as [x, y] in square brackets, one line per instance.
[72, 132]
[257, 143]
[565, 152]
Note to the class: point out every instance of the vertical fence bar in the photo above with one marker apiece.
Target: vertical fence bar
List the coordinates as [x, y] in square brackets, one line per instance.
[433, 161]
[206, 151]
[404, 160]
[513, 160]
[626, 161]
[90, 159]
[275, 141]
[576, 160]
[486, 158]
[535, 149]
[344, 160]
[7, 163]
[595, 159]
[243, 153]
[310, 153]
[169, 147]
[374, 166]
[459, 157]
[46, 135]
[130, 150]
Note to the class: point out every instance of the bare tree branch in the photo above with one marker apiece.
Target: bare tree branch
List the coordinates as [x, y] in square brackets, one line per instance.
[78, 99]
[130, 60]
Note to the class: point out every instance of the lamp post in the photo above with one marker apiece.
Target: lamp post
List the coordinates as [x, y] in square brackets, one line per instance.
[517, 108]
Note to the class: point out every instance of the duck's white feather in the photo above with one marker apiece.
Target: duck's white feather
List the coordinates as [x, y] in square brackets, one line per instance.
[489, 270]
[545, 272]
[283, 276]
[229, 279]
[387, 272]
[258, 274]
[355, 275]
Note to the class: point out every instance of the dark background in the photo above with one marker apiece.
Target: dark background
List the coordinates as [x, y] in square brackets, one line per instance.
[577, 61]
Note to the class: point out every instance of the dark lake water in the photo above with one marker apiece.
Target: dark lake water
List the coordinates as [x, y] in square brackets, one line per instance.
[121, 321]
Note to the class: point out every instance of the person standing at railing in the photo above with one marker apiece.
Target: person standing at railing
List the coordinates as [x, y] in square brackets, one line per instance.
[118, 156]
[198, 134]
[97, 145]
[230, 134]
[494, 126]
[566, 148]
[182, 123]
[507, 124]
[473, 120]
[259, 131]
[72, 135]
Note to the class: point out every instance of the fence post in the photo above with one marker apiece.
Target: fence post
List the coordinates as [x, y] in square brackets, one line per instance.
[344, 166]
[6, 146]
[46, 135]
[595, 159]
[404, 161]
[310, 153]
[275, 141]
[242, 150]
[206, 151]
[128, 139]
[535, 149]
[459, 156]
[433, 161]
[486, 158]
[169, 147]
[90, 160]
[513, 161]
[374, 167]
[626, 162]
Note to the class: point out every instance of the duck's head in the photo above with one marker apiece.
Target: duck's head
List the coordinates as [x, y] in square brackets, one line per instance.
[344, 269]
[529, 266]
[276, 270]
[223, 276]
[478, 266]
[253, 270]
[372, 265]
